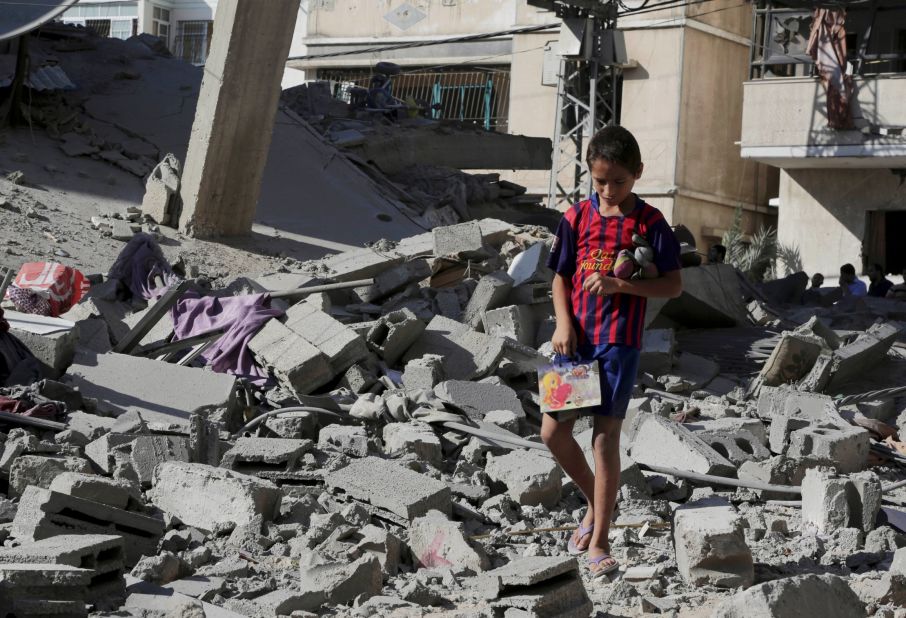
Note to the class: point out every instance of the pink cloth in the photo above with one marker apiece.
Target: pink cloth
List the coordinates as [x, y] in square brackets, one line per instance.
[241, 317]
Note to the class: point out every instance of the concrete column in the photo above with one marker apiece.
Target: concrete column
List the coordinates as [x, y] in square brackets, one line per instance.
[234, 119]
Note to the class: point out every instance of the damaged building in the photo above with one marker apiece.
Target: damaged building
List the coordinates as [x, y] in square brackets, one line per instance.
[840, 150]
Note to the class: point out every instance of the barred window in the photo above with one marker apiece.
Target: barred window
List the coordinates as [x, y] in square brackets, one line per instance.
[193, 40]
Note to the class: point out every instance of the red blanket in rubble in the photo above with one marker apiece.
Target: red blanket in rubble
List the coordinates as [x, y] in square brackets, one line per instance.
[47, 288]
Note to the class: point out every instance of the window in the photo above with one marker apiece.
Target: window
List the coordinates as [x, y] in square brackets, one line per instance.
[193, 40]
[160, 24]
[101, 27]
[120, 28]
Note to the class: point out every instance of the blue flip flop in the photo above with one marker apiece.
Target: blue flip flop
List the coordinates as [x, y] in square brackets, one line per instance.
[583, 531]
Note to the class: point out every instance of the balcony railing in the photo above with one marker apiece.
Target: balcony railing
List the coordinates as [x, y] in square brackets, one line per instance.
[875, 37]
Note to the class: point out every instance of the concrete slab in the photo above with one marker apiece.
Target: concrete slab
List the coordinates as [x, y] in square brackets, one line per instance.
[827, 596]
[389, 486]
[477, 398]
[466, 353]
[159, 391]
[658, 441]
[207, 497]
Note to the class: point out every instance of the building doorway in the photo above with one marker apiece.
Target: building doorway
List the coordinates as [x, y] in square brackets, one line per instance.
[884, 240]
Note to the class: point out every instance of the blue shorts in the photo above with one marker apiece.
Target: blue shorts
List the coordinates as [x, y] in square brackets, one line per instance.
[619, 366]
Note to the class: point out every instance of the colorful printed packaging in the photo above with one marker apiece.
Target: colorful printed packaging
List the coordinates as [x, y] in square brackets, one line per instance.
[569, 386]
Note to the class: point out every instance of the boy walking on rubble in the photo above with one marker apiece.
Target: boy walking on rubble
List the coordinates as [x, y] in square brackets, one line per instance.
[600, 318]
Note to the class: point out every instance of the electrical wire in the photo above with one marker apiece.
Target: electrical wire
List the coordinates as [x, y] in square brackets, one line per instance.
[413, 44]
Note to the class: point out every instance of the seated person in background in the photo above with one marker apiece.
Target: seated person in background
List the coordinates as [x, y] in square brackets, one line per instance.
[880, 284]
[898, 291]
[717, 254]
[849, 284]
[817, 281]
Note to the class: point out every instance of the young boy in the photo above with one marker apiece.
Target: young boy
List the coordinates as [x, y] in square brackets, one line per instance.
[600, 317]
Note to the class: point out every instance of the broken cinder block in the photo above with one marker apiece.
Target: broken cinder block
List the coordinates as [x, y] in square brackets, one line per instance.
[710, 545]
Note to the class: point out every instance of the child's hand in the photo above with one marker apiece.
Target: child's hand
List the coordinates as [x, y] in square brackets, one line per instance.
[564, 339]
[599, 285]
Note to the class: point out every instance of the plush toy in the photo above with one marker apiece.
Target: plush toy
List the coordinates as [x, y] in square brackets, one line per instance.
[637, 263]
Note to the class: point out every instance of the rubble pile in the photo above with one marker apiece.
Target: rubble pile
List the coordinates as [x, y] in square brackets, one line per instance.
[385, 460]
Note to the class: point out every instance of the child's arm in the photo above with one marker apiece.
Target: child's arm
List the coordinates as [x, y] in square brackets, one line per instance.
[668, 285]
[564, 339]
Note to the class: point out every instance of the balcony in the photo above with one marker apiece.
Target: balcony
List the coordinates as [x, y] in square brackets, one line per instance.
[784, 123]
[785, 105]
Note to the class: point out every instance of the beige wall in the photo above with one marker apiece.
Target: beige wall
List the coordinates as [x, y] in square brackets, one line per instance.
[365, 18]
[651, 102]
[729, 15]
[823, 212]
[683, 102]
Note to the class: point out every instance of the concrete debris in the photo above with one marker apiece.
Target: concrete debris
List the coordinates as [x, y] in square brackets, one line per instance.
[34, 590]
[386, 485]
[207, 497]
[661, 442]
[823, 595]
[831, 502]
[710, 546]
[435, 541]
[536, 586]
[529, 478]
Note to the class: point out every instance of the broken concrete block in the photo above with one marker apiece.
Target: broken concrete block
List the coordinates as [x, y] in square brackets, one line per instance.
[162, 191]
[40, 471]
[791, 360]
[831, 502]
[737, 445]
[529, 478]
[394, 279]
[658, 350]
[293, 360]
[423, 373]
[463, 240]
[166, 393]
[394, 333]
[530, 266]
[888, 589]
[145, 453]
[93, 487]
[536, 586]
[696, 370]
[413, 438]
[351, 440]
[383, 545]
[466, 353]
[490, 293]
[103, 556]
[751, 426]
[777, 470]
[710, 545]
[435, 541]
[514, 321]
[339, 343]
[827, 596]
[251, 455]
[478, 398]
[869, 348]
[658, 441]
[54, 351]
[389, 486]
[339, 583]
[844, 448]
[35, 590]
[206, 497]
[43, 514]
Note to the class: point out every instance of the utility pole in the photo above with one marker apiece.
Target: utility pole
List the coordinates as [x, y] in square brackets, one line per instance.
[591, 53]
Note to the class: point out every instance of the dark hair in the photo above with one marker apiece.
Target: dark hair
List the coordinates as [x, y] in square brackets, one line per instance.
[847, 269]
[616, 145]
[878, 267]
[720, 249]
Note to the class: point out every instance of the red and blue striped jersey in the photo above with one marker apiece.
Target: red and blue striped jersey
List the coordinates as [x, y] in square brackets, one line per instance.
[586, 243]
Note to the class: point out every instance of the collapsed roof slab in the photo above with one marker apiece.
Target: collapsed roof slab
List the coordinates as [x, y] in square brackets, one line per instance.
[394, 151]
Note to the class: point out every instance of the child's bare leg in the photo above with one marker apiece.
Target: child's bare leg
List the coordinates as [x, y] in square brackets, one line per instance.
[606, 445]
[558, 436]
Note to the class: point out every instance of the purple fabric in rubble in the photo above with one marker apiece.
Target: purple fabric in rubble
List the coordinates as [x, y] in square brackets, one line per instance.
[137, 265]
[240, 316]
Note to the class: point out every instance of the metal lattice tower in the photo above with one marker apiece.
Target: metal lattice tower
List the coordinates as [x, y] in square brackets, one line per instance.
[588, 90]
